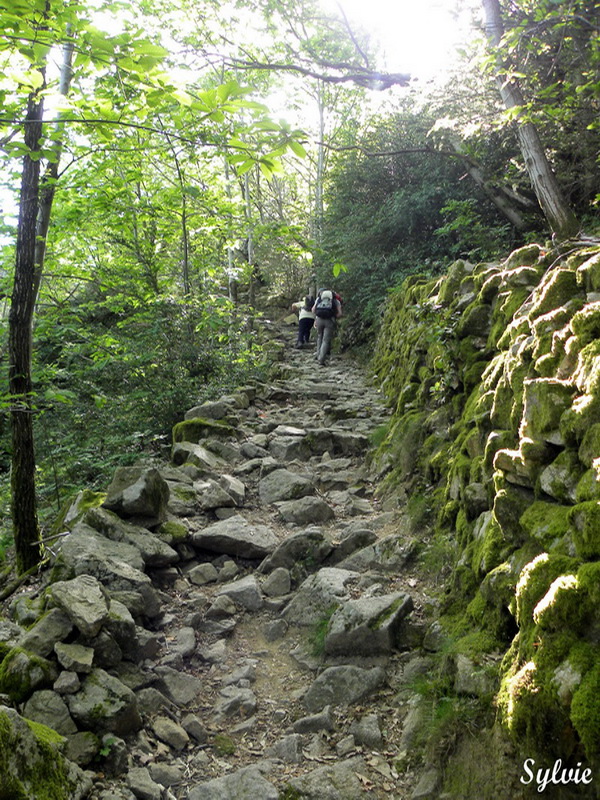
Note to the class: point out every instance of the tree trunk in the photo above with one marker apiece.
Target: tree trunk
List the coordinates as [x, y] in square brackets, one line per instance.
[496, 194]
[48, 185]
[23, 500]
[556, 209]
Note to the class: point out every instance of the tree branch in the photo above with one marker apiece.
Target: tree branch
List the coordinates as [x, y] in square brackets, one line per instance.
[369, 79]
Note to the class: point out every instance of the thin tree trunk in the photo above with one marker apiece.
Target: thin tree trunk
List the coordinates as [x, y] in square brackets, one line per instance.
[23, 499]
[556, 209]
[48, 185]
[496, 194]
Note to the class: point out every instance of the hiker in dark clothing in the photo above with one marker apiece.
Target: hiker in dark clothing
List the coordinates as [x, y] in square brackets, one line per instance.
[306, 319]
[327, 309]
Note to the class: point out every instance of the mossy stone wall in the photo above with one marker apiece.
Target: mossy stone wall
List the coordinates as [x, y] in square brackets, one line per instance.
[508, 356]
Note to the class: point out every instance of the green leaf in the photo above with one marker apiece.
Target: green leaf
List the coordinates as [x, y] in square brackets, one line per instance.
[60, 396]
[245, 167]
[297, 148]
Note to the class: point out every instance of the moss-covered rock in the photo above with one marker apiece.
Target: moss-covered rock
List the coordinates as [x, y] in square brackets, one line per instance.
[560, 478]
[584, 519]
[21, 673]
[527, 255]
[588, 487]
[75, 508]
[196, 429]
[589, 449]
[32, 764]
[512, 355]
[546, 522]
[557, 289]
[585, 712]
[588, 273]
[534, 581]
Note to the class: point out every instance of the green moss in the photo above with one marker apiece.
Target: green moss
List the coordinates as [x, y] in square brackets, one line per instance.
[506, 308]
[545, 522]
[589, 449]
[490, 548]
[46, 735]
[529, 707]
[535, 580]
[562, 607]
[379, 622]
[526, 256]
[16, 672]
[44, 775]
[586, 323]
[173, 531]
[319, 631]
[558, 287]
[588, 487]
[184, 493]
[223, 745]
[588, 273]
[585, 712]
[194, 430]
[475, 321]
[74, 508]
[584, 519]
[577, 420]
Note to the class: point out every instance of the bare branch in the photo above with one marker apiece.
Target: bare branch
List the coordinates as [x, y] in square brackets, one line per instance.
[369, 79]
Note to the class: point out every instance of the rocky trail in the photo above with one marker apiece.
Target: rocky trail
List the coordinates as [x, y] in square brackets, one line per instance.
[263, 641]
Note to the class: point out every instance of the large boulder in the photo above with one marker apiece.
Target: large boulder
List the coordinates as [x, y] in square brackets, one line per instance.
[236, 537]
[305, 510]
[342, 686]
[84, 601]
[332, 782]
[32, 763]
[319, 595]
[308, 547]
[244, 783]
[154, 551]
[281, 484]
[50, 709]
[86, 551]
[52, 627]
[105, 705]
[21, 673]
[190, 453]
[368, 625]
[138, 492]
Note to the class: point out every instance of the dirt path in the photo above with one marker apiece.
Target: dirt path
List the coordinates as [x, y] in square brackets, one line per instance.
[250, 731]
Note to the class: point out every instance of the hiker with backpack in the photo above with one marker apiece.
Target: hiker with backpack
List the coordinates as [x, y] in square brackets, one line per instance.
[327, 309]
[306, 319]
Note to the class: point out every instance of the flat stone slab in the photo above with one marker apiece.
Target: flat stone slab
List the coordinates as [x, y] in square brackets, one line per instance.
[281, 484]
[244, 592]
[388, 554]
[305, 510]
[333, 782]
[244, 783]
[153, 550]
[342, 686]
[236, 537]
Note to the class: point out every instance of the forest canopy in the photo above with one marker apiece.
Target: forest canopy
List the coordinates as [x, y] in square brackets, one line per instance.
[175, 160]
